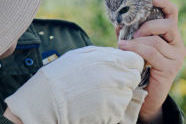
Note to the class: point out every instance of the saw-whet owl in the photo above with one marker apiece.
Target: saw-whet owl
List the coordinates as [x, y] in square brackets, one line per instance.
[131, 14]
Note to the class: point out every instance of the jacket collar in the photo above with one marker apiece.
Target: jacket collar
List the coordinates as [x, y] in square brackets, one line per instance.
[16, 64]
[29, 38]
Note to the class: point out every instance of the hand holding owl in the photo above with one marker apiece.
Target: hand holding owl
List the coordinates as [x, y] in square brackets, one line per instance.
[165, 54]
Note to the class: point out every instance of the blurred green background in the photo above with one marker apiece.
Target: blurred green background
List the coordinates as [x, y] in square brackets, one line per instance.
[91, 16]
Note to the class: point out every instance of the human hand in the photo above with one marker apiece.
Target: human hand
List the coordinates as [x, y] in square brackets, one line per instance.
[166, 55]
[9, 115]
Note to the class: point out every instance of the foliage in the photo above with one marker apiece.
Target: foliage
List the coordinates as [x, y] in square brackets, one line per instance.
[91, 16]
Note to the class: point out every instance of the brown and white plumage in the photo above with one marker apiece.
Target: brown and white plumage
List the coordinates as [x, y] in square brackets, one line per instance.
[130, 14]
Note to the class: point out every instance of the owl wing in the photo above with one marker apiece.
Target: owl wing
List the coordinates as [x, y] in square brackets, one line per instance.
[156, 13]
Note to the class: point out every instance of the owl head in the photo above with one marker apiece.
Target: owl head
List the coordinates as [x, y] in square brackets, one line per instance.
[128, 12]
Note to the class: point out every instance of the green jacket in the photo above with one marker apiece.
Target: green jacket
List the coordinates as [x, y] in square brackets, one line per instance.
[43, 41]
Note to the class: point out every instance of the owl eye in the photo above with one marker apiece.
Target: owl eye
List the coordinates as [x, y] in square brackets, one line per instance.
[124, 10]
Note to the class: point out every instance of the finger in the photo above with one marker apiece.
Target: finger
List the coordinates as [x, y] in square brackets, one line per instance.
[158, 43]
[165, 27]
[150, 54]
[169, 9]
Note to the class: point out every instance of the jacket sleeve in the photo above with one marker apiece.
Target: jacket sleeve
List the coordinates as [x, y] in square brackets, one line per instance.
[3, 120]
[171, 113]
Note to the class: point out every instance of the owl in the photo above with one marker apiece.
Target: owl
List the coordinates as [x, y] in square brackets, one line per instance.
[129, 15]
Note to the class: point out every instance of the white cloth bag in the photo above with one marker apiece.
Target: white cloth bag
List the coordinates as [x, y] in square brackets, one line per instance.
[91, 85]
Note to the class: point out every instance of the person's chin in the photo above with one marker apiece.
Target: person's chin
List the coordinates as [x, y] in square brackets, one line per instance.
[9, 51]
